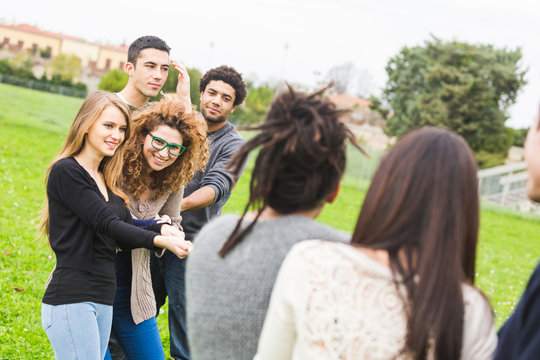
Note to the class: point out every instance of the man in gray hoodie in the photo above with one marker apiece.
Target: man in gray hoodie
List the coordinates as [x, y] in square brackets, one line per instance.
[222, 89]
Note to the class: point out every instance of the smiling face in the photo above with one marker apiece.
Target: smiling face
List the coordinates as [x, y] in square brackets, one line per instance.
[107, 133]
[217, 103]
[149, 73]
[159, 159]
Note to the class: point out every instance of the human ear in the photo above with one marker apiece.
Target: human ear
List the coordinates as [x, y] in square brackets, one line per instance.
[129, 67]
[334, 193]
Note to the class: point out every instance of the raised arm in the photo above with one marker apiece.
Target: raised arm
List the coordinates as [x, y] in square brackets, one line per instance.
[183, 88]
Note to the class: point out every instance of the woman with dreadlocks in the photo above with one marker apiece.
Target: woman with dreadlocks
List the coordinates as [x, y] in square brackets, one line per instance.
[232, 270]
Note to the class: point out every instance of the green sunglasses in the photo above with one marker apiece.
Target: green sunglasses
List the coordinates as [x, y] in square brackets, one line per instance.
[160, 144]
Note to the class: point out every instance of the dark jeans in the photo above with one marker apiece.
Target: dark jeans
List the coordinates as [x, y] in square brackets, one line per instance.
[168, 280]
[139, 342]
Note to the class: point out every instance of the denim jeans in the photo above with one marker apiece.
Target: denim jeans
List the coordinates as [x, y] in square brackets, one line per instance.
[168, 280]
[77, 331]
[139, 342]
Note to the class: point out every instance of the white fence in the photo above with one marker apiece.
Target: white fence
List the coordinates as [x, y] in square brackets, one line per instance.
[506, 186]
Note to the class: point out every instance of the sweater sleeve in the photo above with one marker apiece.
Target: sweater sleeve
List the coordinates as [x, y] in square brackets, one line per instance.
[171, 208]
[221, 180]
[278, 334]
[70, 185]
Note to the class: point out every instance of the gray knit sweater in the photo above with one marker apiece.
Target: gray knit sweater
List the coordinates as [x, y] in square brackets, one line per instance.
[227, 298]
[224, 143]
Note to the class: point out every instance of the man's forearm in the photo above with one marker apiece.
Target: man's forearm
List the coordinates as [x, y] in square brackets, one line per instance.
[199, 199]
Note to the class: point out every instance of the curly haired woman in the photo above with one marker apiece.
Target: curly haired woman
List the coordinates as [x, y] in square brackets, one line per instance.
[167, 147]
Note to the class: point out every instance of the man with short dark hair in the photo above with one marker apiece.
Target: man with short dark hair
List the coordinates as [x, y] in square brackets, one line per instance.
[222, 89]
[148, 67]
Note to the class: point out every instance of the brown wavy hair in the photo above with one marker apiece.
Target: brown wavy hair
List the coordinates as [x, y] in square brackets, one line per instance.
[192, 126]
[90, 110]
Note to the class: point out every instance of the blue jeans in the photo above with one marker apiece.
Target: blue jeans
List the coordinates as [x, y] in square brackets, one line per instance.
[77, 331]
[139, 342]
[168, 280]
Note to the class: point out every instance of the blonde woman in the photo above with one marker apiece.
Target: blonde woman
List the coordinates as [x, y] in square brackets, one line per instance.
[85, 219]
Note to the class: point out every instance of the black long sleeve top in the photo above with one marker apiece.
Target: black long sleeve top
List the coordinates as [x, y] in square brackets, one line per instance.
[84, 230]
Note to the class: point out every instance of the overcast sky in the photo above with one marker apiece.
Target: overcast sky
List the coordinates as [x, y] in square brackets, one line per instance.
[299, 40]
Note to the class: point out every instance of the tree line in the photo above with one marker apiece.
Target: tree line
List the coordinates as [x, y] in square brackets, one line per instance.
[467, 88]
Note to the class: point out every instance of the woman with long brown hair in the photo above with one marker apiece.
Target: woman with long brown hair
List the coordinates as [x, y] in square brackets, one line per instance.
[85, 220]
[404, 289]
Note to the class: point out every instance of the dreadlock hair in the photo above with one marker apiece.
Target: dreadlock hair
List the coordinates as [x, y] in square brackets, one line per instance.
[170, 112]
[302, 157]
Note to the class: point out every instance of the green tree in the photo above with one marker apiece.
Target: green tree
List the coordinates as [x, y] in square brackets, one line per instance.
[518, 136]
[377, 106]
[5, 67]
[114, 81]
[65, 67]
[22, 66]
[256, 104]
[194, 78]
[45, 53]
[462, 87]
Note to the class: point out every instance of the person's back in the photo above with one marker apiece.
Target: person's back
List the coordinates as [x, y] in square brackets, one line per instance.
[346, 305]
[232, 294]
[233, 266]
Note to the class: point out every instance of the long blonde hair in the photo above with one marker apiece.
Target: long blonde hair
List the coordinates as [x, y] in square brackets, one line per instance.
[90, 110]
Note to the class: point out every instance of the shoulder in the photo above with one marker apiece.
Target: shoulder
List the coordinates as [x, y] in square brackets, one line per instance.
[534, 281]
[219, 227]
[474, 299]
[65, 163]
[322, 253]
[316, 246]
[66, 167]
[314, 230]
[228, 137]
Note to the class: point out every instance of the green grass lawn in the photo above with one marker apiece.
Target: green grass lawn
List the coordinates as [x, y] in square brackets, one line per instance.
[32, 128]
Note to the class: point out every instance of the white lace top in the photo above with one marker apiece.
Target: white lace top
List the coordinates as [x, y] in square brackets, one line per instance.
[332, 301]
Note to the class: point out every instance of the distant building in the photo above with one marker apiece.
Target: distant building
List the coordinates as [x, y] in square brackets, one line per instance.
[96, 59]
[26, 37]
